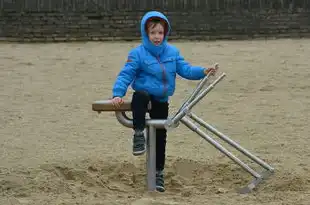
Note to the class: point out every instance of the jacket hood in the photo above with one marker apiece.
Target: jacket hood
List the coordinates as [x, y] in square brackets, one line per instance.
[155, 50]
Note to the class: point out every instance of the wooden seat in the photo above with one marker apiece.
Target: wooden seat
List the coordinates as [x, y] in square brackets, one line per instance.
[107, 106]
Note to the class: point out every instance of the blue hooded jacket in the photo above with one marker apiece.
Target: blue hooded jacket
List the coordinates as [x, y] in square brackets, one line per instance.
[152, 68]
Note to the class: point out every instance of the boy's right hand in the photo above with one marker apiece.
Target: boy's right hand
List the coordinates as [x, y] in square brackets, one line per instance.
[117, 101]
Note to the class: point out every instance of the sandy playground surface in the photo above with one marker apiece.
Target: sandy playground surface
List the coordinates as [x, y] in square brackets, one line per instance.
[56, 150]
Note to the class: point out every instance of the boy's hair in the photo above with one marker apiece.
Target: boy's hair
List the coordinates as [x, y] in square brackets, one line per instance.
[152, 22]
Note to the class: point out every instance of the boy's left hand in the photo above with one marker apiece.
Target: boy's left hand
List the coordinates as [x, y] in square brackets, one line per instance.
[212, 70]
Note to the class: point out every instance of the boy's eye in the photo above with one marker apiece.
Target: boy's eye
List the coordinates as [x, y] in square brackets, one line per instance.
[153, 32]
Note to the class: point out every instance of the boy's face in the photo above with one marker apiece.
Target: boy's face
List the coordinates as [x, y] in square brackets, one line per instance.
[156, 33]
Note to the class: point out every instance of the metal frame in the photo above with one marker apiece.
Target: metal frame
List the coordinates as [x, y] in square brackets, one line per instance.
[183, 115]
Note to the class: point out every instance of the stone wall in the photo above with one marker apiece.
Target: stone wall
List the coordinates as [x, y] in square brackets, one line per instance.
[71, 20]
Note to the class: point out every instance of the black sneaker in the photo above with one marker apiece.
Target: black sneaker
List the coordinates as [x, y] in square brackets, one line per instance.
[138, 144]
[160, 184]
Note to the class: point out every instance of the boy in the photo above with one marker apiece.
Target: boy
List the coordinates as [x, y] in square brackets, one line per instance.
[151, 69]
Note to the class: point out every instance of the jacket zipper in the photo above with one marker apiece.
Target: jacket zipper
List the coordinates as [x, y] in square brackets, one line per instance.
[164, 75]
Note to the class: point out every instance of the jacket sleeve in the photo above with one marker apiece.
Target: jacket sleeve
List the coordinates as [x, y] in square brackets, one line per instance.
[126, 75]
[187, 71]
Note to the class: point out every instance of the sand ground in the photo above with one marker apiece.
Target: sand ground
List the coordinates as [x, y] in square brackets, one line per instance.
[56, 150]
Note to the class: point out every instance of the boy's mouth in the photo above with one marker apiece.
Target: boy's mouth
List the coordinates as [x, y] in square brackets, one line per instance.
[156, 42]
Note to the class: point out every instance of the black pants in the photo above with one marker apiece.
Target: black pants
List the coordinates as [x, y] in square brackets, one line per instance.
[159, 110]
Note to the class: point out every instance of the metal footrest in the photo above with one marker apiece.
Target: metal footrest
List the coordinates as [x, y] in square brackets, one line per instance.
[255, 182]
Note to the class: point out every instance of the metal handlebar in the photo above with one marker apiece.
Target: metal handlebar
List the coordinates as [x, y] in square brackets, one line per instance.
[192, 100]
[198, 88]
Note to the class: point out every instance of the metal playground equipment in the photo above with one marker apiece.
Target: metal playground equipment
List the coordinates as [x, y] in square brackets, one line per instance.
[183, 115]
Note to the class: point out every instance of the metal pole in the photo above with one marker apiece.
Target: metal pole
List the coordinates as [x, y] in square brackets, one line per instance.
[194, 128]
[169, 124]
[151, 158]
[185, 110]
[198, 88]
[195, 92]
[127, 122]
[230, 141]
